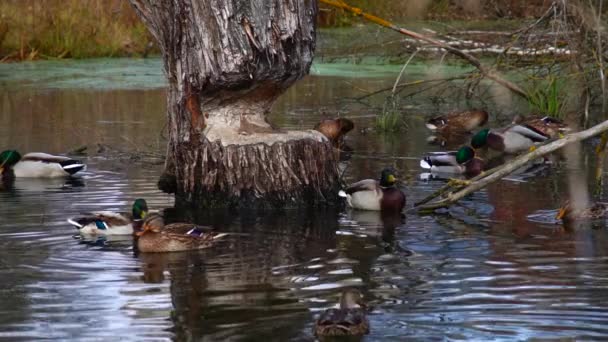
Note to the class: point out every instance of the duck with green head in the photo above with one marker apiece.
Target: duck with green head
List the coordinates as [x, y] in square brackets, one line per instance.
[38, 165]
[156, 237]
[8, 159]
[348, 320]
[511, 140]
[462, 161]
[111, 223]
[371, 194]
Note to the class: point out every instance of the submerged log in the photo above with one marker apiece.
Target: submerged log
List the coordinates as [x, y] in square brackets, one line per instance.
[227, 62]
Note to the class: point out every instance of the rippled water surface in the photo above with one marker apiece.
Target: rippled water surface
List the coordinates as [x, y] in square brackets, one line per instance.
[478, 271]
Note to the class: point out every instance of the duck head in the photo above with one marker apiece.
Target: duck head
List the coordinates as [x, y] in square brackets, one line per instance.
[140, 209]
[8, 159]
[153, 223]
[569, 212]
[464, 154]
[480, 139]
[387, 178]
[351, 299]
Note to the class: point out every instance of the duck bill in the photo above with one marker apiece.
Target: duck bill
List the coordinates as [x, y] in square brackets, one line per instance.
[561, 213]
[143, 231]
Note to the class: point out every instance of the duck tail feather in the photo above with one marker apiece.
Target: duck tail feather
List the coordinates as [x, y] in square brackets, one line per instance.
[75, 223]
[425, 163]
[220, 235]
[72, 166]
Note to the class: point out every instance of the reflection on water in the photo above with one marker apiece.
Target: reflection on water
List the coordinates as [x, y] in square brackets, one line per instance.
[481, 270]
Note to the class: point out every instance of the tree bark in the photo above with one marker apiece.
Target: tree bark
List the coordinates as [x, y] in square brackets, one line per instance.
[227, 61]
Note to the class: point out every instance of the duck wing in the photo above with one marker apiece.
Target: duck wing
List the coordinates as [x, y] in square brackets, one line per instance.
[111, 219]
[438, 159]
[436, 123]
[555, 123]
[192, 230]
[528, 132]
[70, 166]
[335, 322]
[363, 185]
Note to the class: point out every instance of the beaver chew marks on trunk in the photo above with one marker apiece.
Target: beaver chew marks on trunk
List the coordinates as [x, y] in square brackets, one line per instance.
[226, 63]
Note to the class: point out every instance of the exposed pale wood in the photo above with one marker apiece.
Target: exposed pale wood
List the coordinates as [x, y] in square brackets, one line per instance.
[227, 62]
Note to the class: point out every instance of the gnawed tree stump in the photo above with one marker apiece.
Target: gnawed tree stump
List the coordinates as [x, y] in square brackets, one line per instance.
[227, 62]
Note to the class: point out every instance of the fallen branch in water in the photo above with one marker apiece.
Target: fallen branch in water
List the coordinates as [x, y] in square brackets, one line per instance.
[491, 74]
[481, 181]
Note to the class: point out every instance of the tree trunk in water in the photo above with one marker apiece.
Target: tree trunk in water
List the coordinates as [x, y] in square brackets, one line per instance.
[227, 61]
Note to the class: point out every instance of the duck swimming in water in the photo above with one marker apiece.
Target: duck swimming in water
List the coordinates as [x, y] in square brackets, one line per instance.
[38, 165]
[511, 139]
[348, 320]
[594, 211]
[111, 223]
[371, 194]
[462, 161]
[549, 126]
[156, 237]
[464, 121]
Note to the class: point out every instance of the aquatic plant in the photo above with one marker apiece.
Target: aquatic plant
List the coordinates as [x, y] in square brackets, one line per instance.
[390, 119]
[548, 97]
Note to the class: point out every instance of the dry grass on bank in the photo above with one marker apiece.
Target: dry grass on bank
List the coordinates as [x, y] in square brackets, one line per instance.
[34, 29]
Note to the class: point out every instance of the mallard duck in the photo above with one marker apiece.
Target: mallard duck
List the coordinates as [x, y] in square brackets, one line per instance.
[348, 320]
[462, 161]
[549, 126]
[335, 129]
[111, 223]
[594, 211]
[370, 194]
[156, 237]
[511, 139]
[38, 165]
[458, 121]
[449, 139]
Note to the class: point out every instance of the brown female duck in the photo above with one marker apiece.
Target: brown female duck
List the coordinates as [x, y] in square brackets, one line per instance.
[157, 237]
[465, 121]
[594, 211]
[549, 126]
[348, 320]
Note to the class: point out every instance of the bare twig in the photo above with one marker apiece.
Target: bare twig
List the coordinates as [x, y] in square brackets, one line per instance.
[402, 70]
[491, 74]
[413, 83]
[546, 15]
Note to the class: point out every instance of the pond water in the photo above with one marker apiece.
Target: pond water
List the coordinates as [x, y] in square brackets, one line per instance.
[480, 270]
